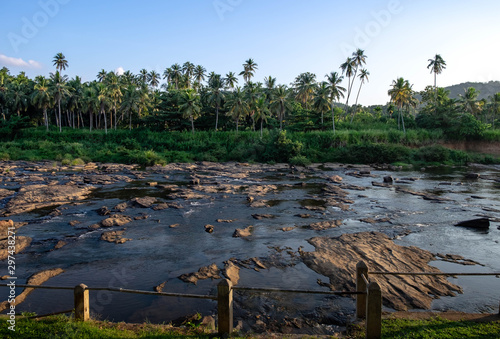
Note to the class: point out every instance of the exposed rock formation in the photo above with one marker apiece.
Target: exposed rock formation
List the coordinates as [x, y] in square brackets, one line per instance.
[337, 257]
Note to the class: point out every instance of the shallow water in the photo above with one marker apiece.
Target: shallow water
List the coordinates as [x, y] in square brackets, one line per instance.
[159, 253]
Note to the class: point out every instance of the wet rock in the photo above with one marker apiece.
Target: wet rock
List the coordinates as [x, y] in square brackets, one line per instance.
[36, 279]
[477, 197]
[187, 194]
[143, 216]
[152, 183]
[335, 178]
[243, 232]
[457, 259]
[160, 207]
[94, 226]
[74, 222]
[324, 225]
[260, 204]
[174, 225]
[226, 220]
[33, 197]
[475, 223]
[114, 237]
[472, 176]
[288, 229]
[160, 287]
[375, 221]
[337, 257]
[60, 244]
[143, 202]
[116, 220]
[263, 216]
[206, 272]
[303, 215]
[209, 228]
[4, 193]
[121, 207]
[232, 272]
[104, 210]
[250, 199]
[388, 179]
[22, 242]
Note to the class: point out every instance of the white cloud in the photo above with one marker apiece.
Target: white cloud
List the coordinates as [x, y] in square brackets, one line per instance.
[18, 62]
[119, 71]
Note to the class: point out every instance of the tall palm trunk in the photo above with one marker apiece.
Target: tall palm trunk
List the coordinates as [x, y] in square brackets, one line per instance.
[116, 121]
[105, 122]
[356, 104]
[333, 118]
[60, 117]
[216, 116]
[192, 124]
[90, 119]
[46, 118]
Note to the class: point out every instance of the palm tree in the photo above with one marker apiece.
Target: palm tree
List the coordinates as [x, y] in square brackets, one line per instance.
[336, 91]
[359, 59]
[363, 76]
[321, 100]
[436, 65]
[304, 85]
[401, 95]
[237, 105]
[60, 62]
[189, 106]
[74, 100]
[175, 74]
[469, 101]
[114, 92]
[249, 67]
[154, 79]
[280, 103]
[230, 80]
[252, 92]
[348, 69]
[59, 89]
[188, 70]
[215, 85]
[495, 107]
[90, 103]
[101, 76]
[199, 75]
[130, 102]
[143, 75]
[18, 98]
[3, 92]
[103, 100]
[261, 111]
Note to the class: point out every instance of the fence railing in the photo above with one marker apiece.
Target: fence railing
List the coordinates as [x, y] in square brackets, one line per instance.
[368, 297]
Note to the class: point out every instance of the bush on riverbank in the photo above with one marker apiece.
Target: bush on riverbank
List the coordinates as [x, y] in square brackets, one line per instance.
[145, 147]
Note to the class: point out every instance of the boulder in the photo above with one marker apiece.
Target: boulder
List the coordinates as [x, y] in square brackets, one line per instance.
[388, 179]
[104, 210]
[475, 223]
[232, 272]
[143, 202]
[243, 232]
[209, 228]
[116, 220]
[472, 176]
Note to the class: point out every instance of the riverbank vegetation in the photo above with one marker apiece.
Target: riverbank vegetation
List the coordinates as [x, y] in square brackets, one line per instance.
[195, 115]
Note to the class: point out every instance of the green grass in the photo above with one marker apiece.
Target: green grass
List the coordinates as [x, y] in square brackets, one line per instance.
[439, 328]
[66, 327]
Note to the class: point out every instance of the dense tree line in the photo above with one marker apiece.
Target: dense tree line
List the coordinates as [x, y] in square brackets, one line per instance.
[192, 99]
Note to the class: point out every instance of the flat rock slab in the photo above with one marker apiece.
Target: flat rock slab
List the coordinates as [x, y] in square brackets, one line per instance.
[206, 272]
[114, 237]
[36, 279]
[33, 197]
[324, 225]
[21, 243]
[116, 220]
[243, 232]
[336, 258]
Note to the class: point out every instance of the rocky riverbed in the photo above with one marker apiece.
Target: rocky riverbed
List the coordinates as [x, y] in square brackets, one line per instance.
[183, 227]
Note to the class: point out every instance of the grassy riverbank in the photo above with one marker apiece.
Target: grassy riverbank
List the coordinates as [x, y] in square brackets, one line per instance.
[146, 147]
[64, 327]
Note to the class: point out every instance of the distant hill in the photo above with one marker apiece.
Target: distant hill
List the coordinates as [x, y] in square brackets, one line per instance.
[486, 89]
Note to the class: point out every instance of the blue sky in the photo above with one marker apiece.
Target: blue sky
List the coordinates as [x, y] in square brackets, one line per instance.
[284, 37]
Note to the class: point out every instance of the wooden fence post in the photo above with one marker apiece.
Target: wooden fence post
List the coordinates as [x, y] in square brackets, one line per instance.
[361, 269]
[374, 312]
[225, 307]
[82, 303]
